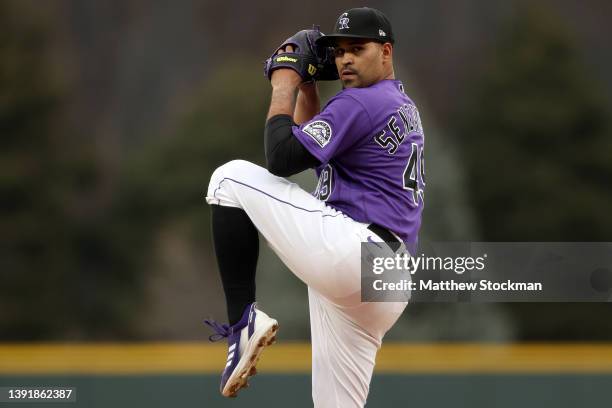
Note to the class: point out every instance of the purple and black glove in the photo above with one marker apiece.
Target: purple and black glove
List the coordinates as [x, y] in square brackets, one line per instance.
[310, 61]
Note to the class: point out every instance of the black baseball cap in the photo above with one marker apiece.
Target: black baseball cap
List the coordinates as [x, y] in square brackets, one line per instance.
[362, 22]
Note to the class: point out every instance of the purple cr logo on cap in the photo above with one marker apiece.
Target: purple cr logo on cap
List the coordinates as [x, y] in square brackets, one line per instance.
[343, 21]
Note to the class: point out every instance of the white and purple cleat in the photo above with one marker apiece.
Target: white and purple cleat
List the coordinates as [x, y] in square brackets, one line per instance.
[246, 340]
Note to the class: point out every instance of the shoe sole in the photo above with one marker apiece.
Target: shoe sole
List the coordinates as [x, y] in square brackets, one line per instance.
[247, 367]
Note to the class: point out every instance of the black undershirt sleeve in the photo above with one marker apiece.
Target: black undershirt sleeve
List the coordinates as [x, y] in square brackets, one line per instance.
[285, 154]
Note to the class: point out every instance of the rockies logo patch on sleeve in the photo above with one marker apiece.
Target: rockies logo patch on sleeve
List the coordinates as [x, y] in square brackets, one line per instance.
[320, 131]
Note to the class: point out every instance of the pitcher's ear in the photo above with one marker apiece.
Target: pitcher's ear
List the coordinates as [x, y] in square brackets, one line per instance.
[387, 49]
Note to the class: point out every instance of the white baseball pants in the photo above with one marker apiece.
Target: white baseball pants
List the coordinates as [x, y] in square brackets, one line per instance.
[322, 247]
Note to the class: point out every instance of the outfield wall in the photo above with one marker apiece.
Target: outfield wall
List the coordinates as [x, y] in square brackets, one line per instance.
[407, 375]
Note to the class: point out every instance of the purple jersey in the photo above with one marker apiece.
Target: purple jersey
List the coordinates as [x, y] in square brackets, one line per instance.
[370, 145]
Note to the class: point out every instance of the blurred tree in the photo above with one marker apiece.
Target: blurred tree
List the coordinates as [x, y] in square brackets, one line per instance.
[61, 273]
[168, 180]
[534, 135]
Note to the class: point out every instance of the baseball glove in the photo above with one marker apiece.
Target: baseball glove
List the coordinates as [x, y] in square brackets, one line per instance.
[310, 61]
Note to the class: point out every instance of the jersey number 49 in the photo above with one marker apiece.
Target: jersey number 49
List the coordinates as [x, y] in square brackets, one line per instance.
[414, 174]
[324, 186]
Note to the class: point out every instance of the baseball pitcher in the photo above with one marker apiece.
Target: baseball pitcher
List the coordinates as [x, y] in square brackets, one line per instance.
[366, 145]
